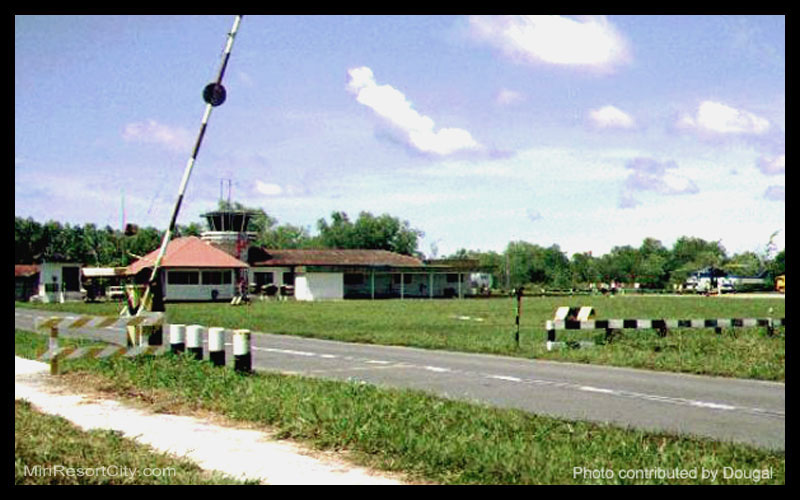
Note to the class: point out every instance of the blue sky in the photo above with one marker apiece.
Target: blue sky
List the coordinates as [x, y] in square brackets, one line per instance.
[586, 132]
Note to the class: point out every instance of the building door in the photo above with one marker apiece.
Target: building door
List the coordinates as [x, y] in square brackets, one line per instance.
[70, 276]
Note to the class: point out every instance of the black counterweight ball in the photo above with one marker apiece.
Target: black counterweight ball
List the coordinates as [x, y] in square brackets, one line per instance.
[214, 94]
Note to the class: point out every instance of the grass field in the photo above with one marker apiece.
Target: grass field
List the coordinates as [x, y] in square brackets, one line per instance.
[429, 438]
[487, 326]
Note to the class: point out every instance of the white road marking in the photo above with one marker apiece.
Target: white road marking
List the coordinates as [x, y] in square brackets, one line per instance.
[286, 351]
[504, 377]
[589, 388]
[716, 406]
[437, 369]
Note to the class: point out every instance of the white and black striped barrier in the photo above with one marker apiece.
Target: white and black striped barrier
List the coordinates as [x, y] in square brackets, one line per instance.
[660, 325]
[216, 344]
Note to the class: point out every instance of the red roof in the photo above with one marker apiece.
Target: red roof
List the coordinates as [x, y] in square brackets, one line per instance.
[334, 257]
[190, 251]
[22, 270]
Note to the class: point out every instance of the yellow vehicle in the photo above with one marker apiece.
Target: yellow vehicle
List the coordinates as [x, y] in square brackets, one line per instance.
[780, 283]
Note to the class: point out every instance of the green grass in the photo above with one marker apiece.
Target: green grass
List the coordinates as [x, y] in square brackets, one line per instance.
[50, 450]
[427, 437]
[442, 324]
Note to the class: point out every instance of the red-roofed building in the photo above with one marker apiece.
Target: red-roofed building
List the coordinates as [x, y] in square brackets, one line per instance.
[314, 274]
[192, 270]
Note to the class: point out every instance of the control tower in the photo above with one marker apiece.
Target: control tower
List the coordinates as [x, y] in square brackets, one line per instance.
[228, 231]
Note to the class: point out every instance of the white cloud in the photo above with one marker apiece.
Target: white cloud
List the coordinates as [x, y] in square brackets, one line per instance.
[611, 117]
[775, 193]
[589, 42]
[173, 138]
[246, 79]
[533, 215]
[507, 97]
[627, 201]
[392, 105]
[268, 189]
[772, 165]
[651, 175]
[717, 118]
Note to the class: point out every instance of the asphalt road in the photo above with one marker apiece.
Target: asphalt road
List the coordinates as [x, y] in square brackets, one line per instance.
[746, 411]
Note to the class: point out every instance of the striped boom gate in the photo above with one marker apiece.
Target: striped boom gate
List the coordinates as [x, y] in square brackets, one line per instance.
[660, 325]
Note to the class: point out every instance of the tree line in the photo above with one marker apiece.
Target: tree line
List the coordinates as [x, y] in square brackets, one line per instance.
[652, 265]
[109, 247]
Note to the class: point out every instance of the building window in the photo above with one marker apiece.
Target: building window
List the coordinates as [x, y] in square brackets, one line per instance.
[216, 277]
[452, 278]
[263, 278]
[288, 278]
[183, 278]
[212, 277]
[406, 279]
[353, 279]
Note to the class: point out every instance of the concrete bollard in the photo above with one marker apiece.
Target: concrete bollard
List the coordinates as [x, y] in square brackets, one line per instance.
[177, 338]
[551, 335]
[194, 340]
[242, 360]
[216, 345]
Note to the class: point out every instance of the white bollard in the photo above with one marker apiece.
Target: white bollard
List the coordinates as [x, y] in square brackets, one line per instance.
[194, 340]
[216, 345]
[242, 360]
[551, 335]
[177, 338]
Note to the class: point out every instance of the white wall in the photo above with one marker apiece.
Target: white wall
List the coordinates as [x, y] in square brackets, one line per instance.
[50, 270]
[319, 286]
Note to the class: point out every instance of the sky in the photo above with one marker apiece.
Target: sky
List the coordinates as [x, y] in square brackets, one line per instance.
[585, 132]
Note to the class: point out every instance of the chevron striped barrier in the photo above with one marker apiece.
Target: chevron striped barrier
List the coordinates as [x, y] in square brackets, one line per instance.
[56, 353]
[660, 325]
[145, 319]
